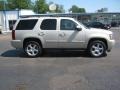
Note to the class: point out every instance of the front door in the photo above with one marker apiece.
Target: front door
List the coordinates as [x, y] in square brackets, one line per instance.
[69, 37]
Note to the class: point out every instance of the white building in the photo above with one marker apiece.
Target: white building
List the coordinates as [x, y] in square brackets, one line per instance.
[8, 18]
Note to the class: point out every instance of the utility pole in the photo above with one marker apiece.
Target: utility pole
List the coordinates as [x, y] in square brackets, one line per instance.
[4, 1]
[4, 13]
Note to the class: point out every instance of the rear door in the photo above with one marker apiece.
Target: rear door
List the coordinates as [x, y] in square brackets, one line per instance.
[49, 33]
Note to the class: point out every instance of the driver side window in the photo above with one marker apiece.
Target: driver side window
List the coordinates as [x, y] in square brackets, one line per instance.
[67, 25]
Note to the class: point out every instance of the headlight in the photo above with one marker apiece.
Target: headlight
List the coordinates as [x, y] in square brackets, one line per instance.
[111, 36]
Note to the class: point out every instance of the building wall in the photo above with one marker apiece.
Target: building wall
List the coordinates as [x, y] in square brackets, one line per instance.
[8, 18]
[106, 17]
[11, 16]
[1, 21]
[5, 17]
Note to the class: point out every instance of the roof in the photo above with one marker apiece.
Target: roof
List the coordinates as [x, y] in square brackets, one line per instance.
[47, 17]
[65, 14]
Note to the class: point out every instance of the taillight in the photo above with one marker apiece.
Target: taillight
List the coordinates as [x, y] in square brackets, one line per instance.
[13, 34]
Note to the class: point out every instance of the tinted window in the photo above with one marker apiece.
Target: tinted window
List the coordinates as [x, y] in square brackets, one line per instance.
[67, 25]
[26, 24]
[48, 24]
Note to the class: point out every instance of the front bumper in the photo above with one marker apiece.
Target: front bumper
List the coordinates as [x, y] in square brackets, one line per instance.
[111, 43]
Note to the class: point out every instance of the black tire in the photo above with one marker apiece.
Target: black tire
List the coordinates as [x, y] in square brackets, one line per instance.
[33, 49]
[97, 48]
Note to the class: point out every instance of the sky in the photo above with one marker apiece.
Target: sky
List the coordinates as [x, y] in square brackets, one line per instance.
[90, 5]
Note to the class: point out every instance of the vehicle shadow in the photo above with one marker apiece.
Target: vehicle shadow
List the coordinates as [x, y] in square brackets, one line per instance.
[48, 53]
[13, 53]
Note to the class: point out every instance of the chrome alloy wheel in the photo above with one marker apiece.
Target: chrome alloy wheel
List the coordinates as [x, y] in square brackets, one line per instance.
[97, 49]
[33, 49]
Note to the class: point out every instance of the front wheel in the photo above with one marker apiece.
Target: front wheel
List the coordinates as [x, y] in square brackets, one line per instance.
[33, 49]
[97, 48]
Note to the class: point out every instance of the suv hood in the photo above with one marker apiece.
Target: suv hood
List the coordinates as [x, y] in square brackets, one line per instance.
[101, 30]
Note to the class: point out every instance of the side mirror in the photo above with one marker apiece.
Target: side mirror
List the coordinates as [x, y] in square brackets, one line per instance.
[78, 28]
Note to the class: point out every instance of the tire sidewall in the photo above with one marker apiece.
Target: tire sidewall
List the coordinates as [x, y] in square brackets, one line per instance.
[39, 48]
[94, 42]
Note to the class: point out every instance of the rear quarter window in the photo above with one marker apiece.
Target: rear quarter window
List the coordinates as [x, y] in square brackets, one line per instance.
[26, 24]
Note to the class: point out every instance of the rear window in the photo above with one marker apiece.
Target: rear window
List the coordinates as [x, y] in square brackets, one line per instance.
[26, 24]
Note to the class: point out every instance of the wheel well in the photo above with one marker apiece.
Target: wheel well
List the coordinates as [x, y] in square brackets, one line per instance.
[100, 39]
[31, 39]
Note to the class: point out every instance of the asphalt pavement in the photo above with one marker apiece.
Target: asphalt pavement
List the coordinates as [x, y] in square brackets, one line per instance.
[58, 70]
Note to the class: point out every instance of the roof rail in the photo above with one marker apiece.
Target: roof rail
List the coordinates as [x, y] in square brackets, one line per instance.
[45, 15]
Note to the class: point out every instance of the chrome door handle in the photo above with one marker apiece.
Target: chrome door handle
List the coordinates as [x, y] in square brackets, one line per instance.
[41, 34]
[62, 34]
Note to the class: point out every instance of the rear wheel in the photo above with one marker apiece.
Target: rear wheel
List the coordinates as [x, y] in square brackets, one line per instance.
[33, 49]
[97, 48]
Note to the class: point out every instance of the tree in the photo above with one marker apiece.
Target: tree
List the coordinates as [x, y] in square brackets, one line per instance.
[102, 10]
[1, 5]
[59, 9]
[76, 9]
[19, 4]
[41, 6]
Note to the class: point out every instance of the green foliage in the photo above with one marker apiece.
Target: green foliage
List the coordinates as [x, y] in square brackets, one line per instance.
[76, 9]
[102, 10]
[16, 4]
[41, 6]
[1, 5]
[20, 4]
[59, 9]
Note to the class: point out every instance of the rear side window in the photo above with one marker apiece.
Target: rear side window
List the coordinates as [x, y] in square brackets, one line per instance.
[26, 24]
[48, 24]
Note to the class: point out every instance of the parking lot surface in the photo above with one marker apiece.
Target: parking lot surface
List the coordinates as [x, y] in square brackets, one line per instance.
[58, 70]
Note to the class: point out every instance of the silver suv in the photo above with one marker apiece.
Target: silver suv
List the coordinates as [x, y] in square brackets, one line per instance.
[37, 33]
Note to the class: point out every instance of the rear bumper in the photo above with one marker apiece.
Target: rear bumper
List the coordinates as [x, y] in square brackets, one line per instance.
[17, 44]
[111, 43]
